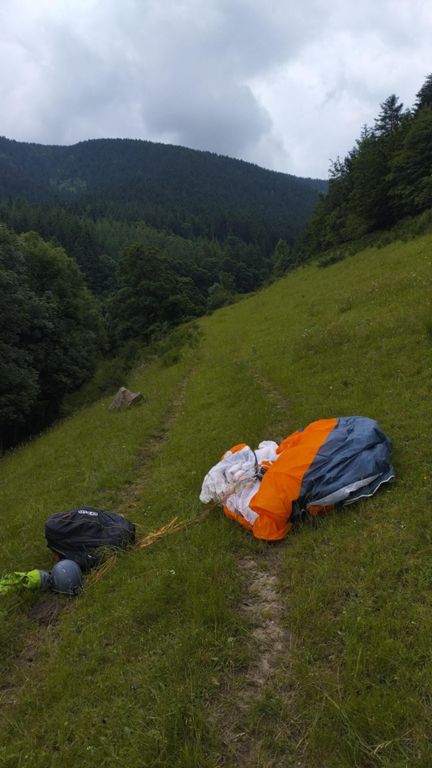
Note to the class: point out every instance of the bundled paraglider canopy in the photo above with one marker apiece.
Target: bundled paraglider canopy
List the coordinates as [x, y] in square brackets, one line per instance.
[329, 463]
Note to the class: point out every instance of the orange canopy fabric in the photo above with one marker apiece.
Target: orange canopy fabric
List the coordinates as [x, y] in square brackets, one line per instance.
[280, 486]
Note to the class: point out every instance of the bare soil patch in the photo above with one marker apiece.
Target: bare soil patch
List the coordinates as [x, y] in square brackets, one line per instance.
[262, 606]
[268, 641]
[46, 612]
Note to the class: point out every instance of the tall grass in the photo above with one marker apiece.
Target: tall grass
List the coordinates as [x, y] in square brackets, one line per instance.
[133, 672]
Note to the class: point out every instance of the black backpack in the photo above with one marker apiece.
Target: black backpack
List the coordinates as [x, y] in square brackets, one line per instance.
[87, 534]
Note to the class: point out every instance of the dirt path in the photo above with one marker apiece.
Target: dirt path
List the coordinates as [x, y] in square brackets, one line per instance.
[262, 606]
[44, 614]
[279, 401]
[268, 642]
[130, 495]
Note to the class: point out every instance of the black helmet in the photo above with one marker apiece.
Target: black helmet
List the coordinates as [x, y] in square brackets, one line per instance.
[66, 577]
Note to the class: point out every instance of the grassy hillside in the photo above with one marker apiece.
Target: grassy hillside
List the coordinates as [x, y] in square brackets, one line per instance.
[209, 648]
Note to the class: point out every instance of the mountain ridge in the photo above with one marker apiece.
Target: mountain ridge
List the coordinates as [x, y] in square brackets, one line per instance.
[314, 181]
[175, 188]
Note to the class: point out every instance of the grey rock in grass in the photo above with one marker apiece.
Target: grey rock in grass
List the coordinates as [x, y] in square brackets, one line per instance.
[125, 398]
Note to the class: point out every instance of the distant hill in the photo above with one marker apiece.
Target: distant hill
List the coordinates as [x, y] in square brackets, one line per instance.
[160, 234]
[185, 191]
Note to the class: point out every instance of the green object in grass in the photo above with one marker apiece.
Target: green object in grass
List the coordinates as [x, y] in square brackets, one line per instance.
[32, 580]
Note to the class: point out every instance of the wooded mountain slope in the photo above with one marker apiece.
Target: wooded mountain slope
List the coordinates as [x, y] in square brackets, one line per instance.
[386, 177]
[160, 234]
[181, 190]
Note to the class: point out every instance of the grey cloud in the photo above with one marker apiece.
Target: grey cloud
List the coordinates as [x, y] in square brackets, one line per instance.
[223, 116]
[280, 83]
[178, 71]
[81, 88]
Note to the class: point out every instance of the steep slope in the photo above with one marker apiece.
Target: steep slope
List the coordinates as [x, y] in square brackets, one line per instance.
[187, 191]
[170, 658]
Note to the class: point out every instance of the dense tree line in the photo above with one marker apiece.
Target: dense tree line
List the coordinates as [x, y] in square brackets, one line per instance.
[214, 221]
[97, 246]
[146, 282]
[76, 234]
[385, 177]
[167, 280]
[183, 191]
[51, 332]
[118, 241]
[114, 241]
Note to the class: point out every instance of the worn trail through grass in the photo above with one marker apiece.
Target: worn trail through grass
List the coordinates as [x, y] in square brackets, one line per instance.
[129, 497]
[46, 611]
[262, 607]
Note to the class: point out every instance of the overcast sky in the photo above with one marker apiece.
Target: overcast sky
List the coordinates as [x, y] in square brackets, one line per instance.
[282, 83]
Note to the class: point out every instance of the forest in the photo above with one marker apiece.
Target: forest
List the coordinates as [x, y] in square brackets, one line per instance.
[386, 177]
[51, 332]
[108, 244]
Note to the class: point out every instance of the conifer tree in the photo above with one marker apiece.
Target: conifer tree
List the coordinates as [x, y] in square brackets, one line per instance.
[424, 96]
[411, 169]
[283, 259]
[390, 117]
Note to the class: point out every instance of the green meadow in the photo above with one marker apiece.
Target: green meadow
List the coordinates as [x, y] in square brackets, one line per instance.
[149, 667]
